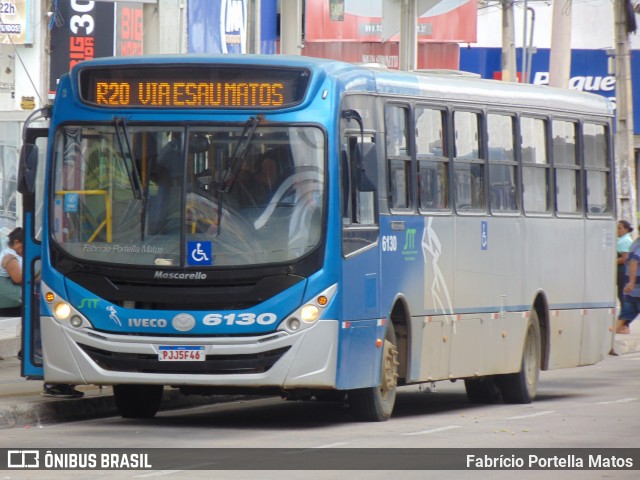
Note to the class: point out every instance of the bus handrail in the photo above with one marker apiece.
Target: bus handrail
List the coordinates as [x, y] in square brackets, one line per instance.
[106, 222]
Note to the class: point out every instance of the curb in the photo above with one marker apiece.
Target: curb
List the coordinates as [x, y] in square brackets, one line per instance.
[37, 411]
[9, 336]
[626, 344]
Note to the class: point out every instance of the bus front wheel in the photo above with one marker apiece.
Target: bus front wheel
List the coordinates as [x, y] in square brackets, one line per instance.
[375, 404]
[138, 401]
[521, 387]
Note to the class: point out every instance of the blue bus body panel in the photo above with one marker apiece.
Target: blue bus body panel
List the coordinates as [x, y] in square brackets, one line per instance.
[261, 319]
[31, 354]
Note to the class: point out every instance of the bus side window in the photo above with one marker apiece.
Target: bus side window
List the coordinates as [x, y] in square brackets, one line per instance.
[359, 181]
[502, 165]
[536, 177]
[398, 156]
[567, 167]
[469, 166]
[366, 173]
[432, 162]
[597, 168]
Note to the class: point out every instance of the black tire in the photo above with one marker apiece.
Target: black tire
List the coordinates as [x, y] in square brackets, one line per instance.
[375, 404]
[482, 390]
[521, 387]
[330, 395]
[138, 401]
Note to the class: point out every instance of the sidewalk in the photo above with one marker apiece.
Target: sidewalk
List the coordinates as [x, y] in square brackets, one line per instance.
[628, 343]
[22, 405]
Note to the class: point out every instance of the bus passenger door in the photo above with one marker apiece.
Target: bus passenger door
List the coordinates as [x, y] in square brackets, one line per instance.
[361, 265]
[31, 186]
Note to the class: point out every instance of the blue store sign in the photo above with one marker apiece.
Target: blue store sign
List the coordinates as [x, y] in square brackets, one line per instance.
[589, 71]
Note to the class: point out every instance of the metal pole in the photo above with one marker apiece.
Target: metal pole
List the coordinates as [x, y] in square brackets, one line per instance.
[560, 56]
[508, 43]
[291, 28]
[525, 48]
[254, 17]
[408, 35]
[530, 48]
[625, 158]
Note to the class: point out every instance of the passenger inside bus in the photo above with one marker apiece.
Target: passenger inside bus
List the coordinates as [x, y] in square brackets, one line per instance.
[256, 184]
[266, 180]
[164, 208]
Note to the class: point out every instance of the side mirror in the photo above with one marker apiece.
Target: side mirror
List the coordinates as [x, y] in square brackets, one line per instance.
[28, 169]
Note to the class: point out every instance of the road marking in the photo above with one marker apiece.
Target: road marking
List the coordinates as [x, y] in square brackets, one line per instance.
[162, 473]
[311, 449]
[433, 430]
[531, 415]
[622, 400]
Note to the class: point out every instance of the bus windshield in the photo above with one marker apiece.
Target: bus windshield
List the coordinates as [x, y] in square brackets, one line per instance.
[188, 196]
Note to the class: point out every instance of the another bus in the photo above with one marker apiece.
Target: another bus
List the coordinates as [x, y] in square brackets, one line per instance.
[313, 229]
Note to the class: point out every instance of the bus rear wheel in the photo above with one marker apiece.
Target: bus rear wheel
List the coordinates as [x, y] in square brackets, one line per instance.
[375, 404]
[521, 387]
[482, 390]
[138, 401]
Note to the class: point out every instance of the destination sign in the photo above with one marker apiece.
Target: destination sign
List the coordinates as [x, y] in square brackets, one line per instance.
[202, 86]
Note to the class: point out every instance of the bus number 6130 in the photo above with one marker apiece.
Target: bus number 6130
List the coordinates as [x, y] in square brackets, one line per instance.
[214, 319]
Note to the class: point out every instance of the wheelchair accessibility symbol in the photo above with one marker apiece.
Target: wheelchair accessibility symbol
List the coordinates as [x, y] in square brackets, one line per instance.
[199, 253]
[484, 236]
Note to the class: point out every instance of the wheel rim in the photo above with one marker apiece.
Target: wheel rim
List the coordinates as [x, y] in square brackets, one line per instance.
[389, 369]
[530, 366]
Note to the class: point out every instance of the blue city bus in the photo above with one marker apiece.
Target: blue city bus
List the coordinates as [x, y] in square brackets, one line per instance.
[313, 229]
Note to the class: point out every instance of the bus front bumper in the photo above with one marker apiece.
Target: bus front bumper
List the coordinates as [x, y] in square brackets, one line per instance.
[307, 359]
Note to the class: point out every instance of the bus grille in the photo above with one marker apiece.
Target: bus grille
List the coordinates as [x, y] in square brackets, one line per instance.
[213, 365]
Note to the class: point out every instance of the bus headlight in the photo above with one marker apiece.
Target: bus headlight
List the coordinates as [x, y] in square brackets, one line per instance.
[61, 310]
[307, 315]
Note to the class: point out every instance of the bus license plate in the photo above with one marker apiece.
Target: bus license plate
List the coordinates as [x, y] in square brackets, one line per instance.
[180, 353]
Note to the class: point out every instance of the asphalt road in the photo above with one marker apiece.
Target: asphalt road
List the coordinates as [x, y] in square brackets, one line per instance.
[590, 407]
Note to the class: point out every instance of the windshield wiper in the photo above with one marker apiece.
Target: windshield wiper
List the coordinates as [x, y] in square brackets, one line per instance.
[230, 175]
[130, 165]
[127, 157]
[239, 154]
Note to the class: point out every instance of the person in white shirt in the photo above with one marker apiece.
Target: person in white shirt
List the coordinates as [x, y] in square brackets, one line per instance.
[11, 270]
[11, 297]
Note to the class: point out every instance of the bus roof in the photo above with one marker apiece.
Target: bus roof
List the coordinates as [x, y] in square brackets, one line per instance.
[428, 84]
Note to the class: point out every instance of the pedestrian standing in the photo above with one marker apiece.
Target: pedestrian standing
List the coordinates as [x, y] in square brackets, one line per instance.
[631, 299]
[11, 271]
[624, 243]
